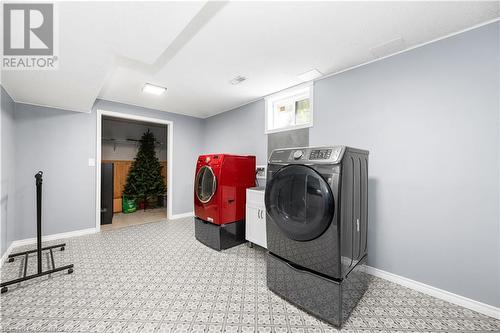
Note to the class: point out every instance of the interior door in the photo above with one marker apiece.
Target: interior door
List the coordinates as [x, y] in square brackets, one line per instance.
[300, 202]
[205, 184]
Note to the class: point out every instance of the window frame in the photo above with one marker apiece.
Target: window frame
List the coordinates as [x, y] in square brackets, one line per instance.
[291, 93]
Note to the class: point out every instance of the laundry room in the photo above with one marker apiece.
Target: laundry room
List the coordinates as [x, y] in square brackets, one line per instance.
[209, 166]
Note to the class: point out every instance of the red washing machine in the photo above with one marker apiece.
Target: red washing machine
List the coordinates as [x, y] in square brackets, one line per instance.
[220, 187]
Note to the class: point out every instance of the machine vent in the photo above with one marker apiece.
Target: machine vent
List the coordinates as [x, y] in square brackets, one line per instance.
[237, 80]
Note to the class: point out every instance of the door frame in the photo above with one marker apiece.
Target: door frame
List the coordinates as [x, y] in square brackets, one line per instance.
[170, 146]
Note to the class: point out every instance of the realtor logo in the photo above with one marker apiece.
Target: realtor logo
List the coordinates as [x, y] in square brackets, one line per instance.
[29, 36]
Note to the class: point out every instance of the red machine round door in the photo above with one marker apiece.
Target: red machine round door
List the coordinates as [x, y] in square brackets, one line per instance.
[205, 184]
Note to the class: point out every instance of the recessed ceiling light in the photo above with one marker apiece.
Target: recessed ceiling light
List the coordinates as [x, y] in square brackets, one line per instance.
[153, 89]
[237, 80]
[310, 75]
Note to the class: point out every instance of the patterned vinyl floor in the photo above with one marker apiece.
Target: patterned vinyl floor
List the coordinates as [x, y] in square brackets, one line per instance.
[157, 278]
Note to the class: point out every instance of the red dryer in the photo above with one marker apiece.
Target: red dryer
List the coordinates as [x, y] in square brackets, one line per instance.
[220, 187]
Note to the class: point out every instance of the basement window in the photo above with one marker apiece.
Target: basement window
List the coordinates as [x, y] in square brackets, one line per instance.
[290, 109]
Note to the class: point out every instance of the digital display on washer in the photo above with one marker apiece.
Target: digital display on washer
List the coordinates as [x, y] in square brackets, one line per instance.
[320, 154]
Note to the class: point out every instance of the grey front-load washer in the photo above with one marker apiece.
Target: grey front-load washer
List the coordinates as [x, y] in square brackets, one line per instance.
[317, 219]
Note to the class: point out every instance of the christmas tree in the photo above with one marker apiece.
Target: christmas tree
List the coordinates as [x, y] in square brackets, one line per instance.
[144, 180]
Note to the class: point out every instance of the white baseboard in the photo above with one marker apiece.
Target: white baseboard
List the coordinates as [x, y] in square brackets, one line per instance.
[468, 303]
[29, 241]
[7, 252]
[180, 216]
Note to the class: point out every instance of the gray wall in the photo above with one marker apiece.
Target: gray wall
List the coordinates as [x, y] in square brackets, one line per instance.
[120, 129]
[240, 131]
[287, 139]
[430, 118]
[7, 225]
[61, 142]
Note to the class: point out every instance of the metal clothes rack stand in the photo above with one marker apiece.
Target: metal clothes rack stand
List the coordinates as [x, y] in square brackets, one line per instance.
[39, 247]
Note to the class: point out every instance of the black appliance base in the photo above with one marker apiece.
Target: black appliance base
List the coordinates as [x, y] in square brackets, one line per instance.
[219, 237]
[327, 299]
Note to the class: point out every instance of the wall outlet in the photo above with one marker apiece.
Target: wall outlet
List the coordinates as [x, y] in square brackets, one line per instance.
[260, 171]
[91, 162]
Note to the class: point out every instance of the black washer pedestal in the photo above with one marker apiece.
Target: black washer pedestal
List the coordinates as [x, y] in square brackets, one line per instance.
[219, 237]
[328, 299]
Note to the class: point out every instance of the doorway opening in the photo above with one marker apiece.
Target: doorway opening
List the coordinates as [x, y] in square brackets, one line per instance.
[134, 156]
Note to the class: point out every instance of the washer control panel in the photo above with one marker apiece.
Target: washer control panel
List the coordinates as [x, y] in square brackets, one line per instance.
[332, 154]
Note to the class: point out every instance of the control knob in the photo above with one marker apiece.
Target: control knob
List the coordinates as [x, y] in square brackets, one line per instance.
[297, 154]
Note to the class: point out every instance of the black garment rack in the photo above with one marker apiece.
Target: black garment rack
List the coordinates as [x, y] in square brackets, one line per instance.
[39, 247]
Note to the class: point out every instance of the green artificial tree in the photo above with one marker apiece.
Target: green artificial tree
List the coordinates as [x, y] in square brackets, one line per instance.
[145, 181]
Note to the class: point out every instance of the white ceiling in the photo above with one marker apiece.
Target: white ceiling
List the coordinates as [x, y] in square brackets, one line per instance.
[109, 50]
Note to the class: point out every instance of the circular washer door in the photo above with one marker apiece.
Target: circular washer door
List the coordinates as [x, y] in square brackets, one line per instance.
[300, 202]
[205, 184]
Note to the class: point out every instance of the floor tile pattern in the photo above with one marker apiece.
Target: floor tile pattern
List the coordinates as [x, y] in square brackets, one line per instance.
[121, 220]
[156, 277]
